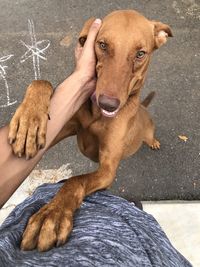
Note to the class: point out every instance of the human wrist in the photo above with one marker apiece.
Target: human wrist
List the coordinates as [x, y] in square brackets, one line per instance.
[81, 78]
[84, 85]
[75, 89]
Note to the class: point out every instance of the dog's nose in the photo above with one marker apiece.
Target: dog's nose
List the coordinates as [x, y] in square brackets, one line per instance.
[108, 103]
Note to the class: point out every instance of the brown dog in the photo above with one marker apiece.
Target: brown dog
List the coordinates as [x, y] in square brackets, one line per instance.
[108, 129]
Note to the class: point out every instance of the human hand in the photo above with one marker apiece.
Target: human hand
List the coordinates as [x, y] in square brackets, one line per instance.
[86, 58]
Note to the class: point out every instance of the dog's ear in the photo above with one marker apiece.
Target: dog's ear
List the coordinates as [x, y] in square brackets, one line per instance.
[84, 32]
[161, 33]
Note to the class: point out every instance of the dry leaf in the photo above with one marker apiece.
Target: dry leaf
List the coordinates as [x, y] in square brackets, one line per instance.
[66, 41]
[183, 138]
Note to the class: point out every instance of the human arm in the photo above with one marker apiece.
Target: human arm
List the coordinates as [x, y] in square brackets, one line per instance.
[64, 103]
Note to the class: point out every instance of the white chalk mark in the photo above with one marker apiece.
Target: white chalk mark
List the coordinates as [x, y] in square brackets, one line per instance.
[3, 77]
[36, 50]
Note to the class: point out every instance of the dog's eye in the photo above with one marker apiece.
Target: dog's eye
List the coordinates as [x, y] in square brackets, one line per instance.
[103, 45]
[82, 40]
[140, 54]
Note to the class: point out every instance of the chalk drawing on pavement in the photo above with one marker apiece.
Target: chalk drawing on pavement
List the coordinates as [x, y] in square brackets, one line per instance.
[36, 50]
[3, 75]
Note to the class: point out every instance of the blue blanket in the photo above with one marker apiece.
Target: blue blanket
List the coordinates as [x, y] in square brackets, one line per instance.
[108, 231]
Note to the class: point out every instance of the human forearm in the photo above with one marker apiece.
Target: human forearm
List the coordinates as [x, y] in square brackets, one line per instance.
[66, 100]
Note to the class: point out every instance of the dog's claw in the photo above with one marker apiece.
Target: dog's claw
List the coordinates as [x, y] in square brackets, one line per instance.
[11, 141]
[59, 243]
[40, 146]
[155, 145]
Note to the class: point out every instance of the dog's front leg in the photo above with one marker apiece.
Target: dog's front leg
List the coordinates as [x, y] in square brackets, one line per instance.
[27, 129]
[52, 224]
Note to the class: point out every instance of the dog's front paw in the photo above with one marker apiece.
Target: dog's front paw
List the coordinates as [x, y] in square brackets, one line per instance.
[155, 144]
[49, 227]
[27, 129]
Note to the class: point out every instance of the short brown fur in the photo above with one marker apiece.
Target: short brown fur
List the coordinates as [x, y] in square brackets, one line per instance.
[102, 139]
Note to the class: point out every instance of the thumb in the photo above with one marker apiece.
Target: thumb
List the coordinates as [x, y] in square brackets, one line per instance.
[93, 31]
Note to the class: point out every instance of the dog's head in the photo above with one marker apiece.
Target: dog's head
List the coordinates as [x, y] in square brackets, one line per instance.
[123, 48]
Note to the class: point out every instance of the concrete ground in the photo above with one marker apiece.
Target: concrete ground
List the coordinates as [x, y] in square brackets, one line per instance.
[31, 47]
[181, 223]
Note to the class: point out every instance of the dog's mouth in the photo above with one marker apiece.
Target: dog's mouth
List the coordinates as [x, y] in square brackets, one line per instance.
[109, 113]
[104, 112]
[93, 98]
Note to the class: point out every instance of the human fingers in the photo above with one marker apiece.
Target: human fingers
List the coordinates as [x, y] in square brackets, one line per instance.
[93, 31]
[78, 51]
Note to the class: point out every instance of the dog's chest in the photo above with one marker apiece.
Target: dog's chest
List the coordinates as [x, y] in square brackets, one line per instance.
[88, 144]
[98, 131]
[91, 135]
